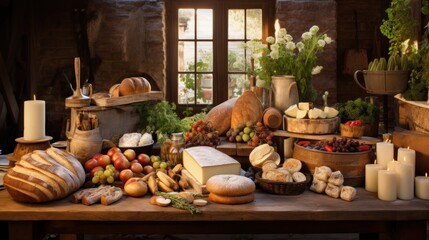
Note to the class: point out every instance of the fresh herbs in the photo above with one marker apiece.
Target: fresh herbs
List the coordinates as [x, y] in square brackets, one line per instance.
[358, 110]
[180, 203]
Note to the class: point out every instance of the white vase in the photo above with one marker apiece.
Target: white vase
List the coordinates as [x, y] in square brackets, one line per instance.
[285, 91]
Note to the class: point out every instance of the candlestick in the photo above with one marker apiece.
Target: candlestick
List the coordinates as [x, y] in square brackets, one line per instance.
[422, 187]
[371, 176]
[387, 185]
[384, 153]
[405, 181]
[408, 156]
[34, 119]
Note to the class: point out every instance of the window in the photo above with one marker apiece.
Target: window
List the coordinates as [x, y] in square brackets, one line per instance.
[206, 63]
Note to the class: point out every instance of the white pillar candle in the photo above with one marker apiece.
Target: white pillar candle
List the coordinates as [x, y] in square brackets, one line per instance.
[371, 176]
[34, 119]
[405, 181]
[384, 152]
[422, 187]
[387, 185]
[408, 156]
[392, 165]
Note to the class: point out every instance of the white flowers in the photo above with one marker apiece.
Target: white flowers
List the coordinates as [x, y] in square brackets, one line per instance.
[306, 36]
[316, 70]
[290, 45]
[314, 29]
[270, 39]
[328, 40]
[321, 43]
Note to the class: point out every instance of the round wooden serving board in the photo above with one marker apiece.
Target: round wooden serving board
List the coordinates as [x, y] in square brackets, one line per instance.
[312, 126]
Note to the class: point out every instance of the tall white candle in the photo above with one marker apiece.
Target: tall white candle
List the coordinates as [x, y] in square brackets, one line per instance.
[371, 176]
[384, 152]
[34, 119]
[408, 156]
[392, 165]
[387, 185]
[405, 181]
[422, 187]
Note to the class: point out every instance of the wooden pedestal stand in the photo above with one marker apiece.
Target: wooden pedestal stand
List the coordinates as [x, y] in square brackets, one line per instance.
[25, 146]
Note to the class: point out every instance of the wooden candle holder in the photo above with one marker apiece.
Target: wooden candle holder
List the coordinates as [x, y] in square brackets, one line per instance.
[26, 146]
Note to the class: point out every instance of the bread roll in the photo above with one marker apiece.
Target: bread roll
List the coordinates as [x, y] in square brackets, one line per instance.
[299, 177]
[43, 176]
[248, 108]
[336, 178]
[333, 190]
[318, 186]
[292, 165]
[220, 116]
[278, 175]
[262, 153]
[134, 85]
[322, 173]
[348, 193]
[230, 185]
[268, 165]
[231, 199]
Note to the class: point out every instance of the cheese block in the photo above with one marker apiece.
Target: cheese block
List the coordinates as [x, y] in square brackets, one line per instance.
[301, 114]
[203, 162]
[304, 106]
[292, 111]
[330, 112]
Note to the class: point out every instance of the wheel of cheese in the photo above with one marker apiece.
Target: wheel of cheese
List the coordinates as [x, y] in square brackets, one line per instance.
[230, 185]
[231, 199]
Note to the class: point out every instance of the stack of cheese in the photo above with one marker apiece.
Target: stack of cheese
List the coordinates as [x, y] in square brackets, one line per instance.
[331, 183]
[305, 110]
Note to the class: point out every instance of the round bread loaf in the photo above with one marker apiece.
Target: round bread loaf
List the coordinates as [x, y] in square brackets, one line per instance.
[230, 185]
[262, 153]
[114, 90]
[42, 176]
[231, 199]
[134, 85]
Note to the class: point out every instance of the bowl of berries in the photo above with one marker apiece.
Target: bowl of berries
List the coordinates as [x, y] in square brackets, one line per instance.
[353, 129]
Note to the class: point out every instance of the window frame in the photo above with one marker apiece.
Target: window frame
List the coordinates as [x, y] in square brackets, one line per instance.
[220, 43]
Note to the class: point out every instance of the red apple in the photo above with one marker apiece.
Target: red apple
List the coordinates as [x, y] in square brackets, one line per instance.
[134, 161]
[148, 169]
[130, 154]
[118, 155]
[143, 159]
[113, 150]
[104, 160]
[136, 167]
[97, 155]
[90, 164]
[96, 169]
[125, 174]
[121, 164]
[135, 187]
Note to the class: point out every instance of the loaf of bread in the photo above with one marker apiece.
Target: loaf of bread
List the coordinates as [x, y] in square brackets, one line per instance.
[230, 189]
[248, 108]
[220, 116]
[134, 85]
[42, 176]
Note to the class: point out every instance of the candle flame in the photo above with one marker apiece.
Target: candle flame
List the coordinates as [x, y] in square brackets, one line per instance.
[277, 25]
[426, 174]
[375, 161]
[34, 97]
[408, 147]
[388, 169]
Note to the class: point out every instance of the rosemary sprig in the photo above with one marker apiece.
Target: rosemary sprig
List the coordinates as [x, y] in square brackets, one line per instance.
[180, 203]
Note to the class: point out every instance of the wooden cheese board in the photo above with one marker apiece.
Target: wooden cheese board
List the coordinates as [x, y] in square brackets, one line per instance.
[123, 100]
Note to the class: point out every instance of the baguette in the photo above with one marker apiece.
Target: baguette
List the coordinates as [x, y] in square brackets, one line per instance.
[112, 195]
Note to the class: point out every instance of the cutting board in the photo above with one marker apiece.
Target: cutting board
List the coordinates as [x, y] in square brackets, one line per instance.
[198, 187]
[123, 100]
[312, 126]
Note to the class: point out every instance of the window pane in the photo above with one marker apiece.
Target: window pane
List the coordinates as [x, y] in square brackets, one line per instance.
[254, 23]
[186, 88]
[205, 89]
[236, 57]
[204, 56]
[186, 55]
[236, 24]
[204, 24]
[186, 23]
[237, 84]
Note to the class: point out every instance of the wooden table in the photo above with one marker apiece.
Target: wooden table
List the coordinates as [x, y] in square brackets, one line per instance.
[268, 214]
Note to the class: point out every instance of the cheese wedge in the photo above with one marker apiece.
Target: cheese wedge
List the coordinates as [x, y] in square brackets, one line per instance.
[292, 111]
[301, 114]
[203, 162]
[330, 112]
[323, 114]
[314, 113]
[304, 106]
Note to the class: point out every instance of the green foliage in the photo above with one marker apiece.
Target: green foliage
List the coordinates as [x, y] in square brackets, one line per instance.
[159, 118]
[189, 81]
[358, 109]
[394, 63]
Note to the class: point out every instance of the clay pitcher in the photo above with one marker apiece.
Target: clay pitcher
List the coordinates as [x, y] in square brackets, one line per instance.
[285, 91]
[85, 144]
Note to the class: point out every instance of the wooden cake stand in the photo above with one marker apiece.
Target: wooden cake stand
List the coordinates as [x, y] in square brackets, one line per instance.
[26, 146]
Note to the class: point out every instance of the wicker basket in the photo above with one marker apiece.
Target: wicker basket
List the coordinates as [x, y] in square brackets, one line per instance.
[352, 131]
[283, 188]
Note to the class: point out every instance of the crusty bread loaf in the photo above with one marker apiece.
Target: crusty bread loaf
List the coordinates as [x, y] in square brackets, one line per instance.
[114, 90]
[134, 85]
[232, 200]
[42, 176]
[230, 185]
[220, 116]
[247, 108]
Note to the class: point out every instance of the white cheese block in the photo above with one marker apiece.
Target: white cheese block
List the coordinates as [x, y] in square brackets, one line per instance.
[331, 112]
[203, 162]
[314, 113]
[301, 114]
[304, 106]
[292, 111]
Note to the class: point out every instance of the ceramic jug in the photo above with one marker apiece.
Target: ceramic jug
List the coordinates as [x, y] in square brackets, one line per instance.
[285, 91]
[85, 144]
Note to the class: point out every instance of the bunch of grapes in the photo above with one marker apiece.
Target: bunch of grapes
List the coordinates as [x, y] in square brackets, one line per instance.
[343, 145]
[105, 176]
[251, 134]
[202, 134]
